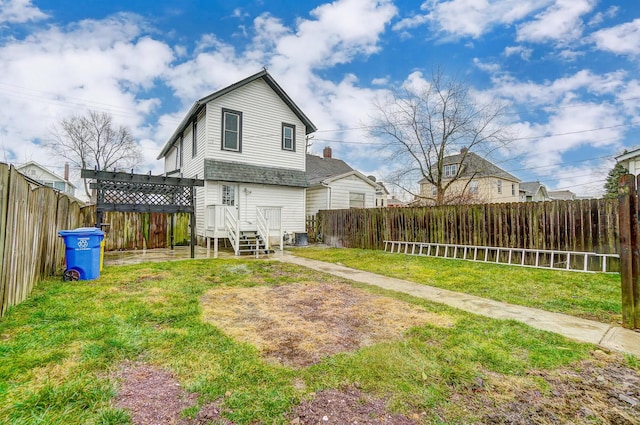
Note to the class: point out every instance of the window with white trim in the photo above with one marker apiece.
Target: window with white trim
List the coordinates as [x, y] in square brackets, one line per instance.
[356, 200]
[231, 130]
[450, 170]
[228, 195]
[288, 137]
[499, 184]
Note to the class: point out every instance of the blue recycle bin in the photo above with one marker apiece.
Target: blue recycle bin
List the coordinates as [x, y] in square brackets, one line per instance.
[83, 252]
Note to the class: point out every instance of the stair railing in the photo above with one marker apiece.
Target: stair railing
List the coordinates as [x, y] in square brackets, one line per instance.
[263, 227]
[232, 226]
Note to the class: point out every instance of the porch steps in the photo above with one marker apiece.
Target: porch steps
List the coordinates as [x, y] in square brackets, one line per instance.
[249, 241]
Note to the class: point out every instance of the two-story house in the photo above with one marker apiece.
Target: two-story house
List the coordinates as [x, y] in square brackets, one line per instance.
[477, 181]
[42, 175]
[248, 142]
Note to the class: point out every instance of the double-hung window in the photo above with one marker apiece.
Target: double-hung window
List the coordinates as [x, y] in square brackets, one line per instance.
[450, 170]
[473, 187]
[288, 137]
[499, 183]
[231, 130]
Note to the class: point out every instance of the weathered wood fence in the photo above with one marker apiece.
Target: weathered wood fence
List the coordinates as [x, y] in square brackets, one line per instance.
[30, 248]
[30, 218]
[132, 230]
[581, 225]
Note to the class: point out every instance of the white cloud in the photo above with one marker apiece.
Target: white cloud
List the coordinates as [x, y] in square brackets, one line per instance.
[61, 71]
[523, 52]
[19, 11]
[560, 22]
[599, 17]
[472, 18]
[412, 22]
[623, 39]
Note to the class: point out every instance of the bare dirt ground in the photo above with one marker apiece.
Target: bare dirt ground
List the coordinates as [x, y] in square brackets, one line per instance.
[299, 324]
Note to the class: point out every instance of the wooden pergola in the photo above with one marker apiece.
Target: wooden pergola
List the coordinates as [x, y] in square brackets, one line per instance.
[129, 192]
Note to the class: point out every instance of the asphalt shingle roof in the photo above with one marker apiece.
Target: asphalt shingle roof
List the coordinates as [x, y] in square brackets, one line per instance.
[476, 166]
[319, 168]
[245, 173]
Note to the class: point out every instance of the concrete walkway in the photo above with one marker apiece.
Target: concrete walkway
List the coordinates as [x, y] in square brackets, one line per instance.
[607, 336]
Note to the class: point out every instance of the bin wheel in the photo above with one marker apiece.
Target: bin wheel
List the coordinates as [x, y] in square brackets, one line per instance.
[70, 275]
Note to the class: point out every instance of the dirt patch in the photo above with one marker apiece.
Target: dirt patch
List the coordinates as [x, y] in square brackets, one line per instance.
[600, 390]
[346, 407]
[154, 397]
[299, 324]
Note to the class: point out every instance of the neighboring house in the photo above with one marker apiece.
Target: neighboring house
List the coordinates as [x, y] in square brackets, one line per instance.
[533, 192]
[335, 185]
[631, 161]
[382, 194]
[562, 195]
[40, 174]
[479, 181]
[248, 142]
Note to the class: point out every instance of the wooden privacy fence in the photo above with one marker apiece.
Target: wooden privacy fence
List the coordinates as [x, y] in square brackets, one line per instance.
[134, 230]
[30, 248]
[581, 225]
[629, 207]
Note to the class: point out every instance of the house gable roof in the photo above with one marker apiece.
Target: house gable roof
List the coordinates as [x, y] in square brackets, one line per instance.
[476, 166]
[321, 170]
[53, 175]
[532, 188]
[199, 104]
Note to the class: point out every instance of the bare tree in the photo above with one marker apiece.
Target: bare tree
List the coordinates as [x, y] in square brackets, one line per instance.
[422, 124]
[94, 142]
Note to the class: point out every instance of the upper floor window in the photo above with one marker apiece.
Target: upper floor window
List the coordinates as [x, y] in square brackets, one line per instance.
[288, 137]
[194, 139]
[513, 189]
[450, 170]
[499, 183]
[231, 130]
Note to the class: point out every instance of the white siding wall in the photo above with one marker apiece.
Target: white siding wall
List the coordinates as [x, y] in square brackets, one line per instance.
[317, 199]
[291, 200]
[263, 113]
[340, 190]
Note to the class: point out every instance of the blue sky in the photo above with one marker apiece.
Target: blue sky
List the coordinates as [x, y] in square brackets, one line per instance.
[567, 68]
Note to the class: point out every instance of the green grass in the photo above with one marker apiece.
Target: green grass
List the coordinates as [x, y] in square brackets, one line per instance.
[58, 348]
[593, 296]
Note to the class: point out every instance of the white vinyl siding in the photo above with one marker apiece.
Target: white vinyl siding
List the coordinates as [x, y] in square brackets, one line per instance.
[342, 188]
[317, 199]
[263, 113]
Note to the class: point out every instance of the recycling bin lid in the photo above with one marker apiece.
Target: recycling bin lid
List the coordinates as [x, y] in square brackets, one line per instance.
[81, 231]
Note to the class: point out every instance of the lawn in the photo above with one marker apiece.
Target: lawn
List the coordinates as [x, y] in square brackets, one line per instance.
[73, 350]
[593, 296]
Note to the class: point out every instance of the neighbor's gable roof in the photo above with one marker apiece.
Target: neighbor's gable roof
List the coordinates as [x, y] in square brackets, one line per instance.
[322, 170]
[531, 188]
[53, 175]
[477, 167]
[199, 104]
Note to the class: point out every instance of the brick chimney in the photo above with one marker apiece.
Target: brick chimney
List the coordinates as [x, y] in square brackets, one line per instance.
[463, 150]
[66, 171]
[326, 152]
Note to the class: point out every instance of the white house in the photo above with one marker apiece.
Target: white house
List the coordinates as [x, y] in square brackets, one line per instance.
[37, 172]
[335, 185]
[630, 160]
[248, 142]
